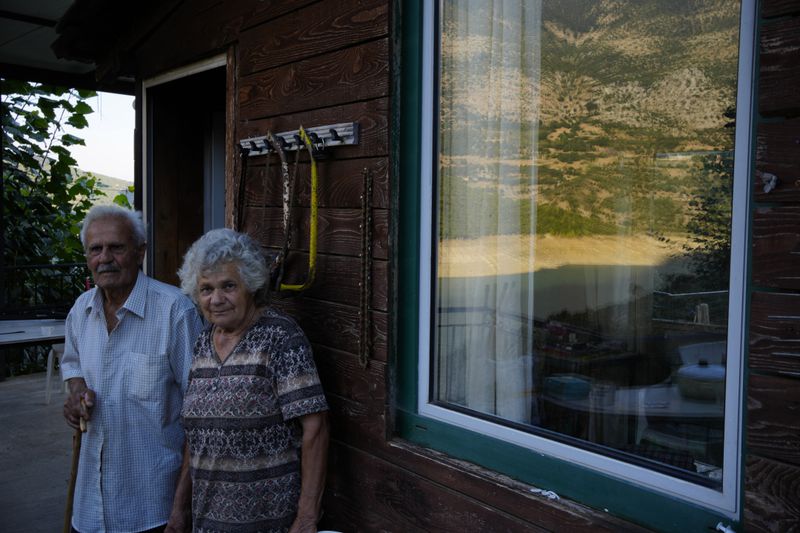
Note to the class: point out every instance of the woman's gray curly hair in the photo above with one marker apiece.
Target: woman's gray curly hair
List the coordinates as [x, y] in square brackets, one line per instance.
[219, 247]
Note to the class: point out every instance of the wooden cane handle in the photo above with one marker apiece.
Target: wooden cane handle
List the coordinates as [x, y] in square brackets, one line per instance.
[81, 420]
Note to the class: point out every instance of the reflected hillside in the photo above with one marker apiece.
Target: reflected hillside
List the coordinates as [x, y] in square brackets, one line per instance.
[588, 119]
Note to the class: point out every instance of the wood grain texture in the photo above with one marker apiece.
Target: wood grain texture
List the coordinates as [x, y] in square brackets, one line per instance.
[341, 374]
[336, 325]
[202, 28]
[402, 499]
[779, 69]
[778, 153]
[316, 29]
[232, 158]
[362, 425]
[338, 279]
[772, 496]
[340, 183]
[773, 418]
[779, 8]
[262, 11]
[341, 77]
[775, 333]
[502, 492]
[339, 230]
[776, 247]
[372, 117]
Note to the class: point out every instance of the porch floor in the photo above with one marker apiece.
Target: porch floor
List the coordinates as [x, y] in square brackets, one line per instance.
[35, 455]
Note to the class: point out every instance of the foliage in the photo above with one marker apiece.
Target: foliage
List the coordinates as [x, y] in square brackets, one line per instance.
[43, 201]
[121, 199]
[709, 229]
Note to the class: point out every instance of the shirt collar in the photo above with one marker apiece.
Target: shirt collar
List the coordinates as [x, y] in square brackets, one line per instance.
[135, 302]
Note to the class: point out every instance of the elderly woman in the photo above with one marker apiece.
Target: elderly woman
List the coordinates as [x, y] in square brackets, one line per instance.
[254, 412]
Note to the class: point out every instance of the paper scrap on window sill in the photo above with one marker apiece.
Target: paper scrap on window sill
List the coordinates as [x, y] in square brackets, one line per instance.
[549, 494]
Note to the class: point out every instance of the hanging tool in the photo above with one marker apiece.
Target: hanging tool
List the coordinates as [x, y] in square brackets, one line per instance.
[312, 245]
[243, 157]
[365, 296]
[280, 260]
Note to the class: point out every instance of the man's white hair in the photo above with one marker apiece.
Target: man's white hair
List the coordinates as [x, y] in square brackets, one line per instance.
[134, 219]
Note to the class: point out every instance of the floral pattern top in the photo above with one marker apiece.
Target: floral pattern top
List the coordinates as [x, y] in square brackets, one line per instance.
[241, 422]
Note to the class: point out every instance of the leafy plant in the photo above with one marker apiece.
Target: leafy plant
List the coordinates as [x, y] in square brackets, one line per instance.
[43, 201]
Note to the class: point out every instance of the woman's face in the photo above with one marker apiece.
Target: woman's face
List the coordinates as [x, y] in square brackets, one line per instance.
[224, 299]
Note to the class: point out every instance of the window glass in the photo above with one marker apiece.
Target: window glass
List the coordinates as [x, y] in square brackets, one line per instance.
[583, 223]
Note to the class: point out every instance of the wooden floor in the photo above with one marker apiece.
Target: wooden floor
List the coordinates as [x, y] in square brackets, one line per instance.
[35, 454]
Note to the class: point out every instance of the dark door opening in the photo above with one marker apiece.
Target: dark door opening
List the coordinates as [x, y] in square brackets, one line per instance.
[185, 176]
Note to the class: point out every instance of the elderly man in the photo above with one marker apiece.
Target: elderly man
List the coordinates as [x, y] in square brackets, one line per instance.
[126, 360]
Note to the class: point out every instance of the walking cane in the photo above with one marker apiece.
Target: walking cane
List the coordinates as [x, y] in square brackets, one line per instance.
[73, 475]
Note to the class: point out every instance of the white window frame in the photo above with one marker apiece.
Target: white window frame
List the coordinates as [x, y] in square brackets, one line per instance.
[728, 498]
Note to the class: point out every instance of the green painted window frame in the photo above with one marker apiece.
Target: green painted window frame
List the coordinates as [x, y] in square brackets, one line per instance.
[620, 498]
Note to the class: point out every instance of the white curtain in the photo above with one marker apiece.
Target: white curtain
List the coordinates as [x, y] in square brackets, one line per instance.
[489, 112]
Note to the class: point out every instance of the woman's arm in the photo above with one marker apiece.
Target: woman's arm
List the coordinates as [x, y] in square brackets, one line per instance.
[180, 519]
[313, 466]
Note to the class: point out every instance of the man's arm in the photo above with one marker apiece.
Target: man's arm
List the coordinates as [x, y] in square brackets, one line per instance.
[72, 373]
[313, 466]
[184, 332]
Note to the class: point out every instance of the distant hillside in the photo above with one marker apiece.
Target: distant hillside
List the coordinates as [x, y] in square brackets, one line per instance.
[109, 185]
[584, 118]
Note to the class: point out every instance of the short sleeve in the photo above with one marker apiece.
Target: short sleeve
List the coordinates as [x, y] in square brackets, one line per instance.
[297, 381]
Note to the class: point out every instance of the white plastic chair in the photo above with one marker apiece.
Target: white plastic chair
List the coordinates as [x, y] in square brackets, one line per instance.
[56, 351]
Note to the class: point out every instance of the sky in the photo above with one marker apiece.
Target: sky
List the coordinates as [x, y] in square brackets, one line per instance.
[109, 137]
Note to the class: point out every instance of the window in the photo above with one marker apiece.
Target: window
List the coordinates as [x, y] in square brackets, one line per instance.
[582, 229]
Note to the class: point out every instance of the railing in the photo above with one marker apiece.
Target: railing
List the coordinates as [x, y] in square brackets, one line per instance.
[703, 308]
[32, 291]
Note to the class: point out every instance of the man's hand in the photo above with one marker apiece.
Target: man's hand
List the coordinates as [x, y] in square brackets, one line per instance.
[79, 403]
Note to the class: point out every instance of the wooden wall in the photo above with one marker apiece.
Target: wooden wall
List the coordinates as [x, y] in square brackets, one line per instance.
[772, 477]
[294, 62]
[308, 62]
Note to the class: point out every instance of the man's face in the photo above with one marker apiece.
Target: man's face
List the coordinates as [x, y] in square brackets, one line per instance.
[112, 254]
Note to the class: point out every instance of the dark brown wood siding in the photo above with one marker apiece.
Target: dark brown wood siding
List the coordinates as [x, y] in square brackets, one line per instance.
[772, 471]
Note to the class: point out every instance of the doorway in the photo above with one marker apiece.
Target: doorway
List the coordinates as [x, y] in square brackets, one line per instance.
[184, 192]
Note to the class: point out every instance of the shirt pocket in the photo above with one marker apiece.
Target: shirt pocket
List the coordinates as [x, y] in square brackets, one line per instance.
[147, 376]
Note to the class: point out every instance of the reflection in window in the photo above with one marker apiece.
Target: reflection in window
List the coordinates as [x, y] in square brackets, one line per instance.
[583, 222]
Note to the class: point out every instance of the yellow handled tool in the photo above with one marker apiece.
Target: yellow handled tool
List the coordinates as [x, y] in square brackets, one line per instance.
[312, 246]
